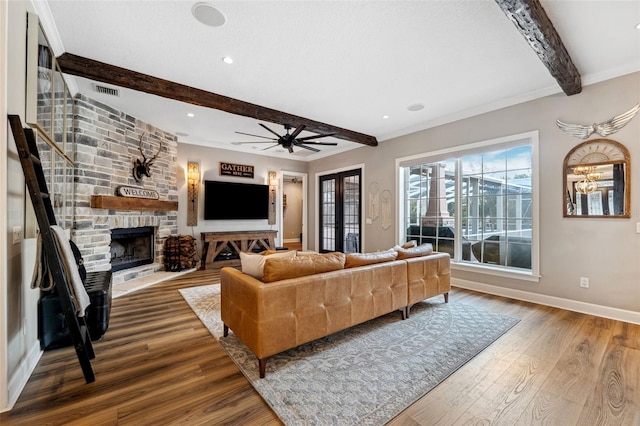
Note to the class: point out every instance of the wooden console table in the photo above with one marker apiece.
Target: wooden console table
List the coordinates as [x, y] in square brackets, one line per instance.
[235, 241]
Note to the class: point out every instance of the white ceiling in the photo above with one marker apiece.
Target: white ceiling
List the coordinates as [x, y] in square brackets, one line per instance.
[345, 63]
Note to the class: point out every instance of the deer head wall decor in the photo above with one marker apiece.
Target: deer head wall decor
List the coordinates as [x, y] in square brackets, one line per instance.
[143, 168]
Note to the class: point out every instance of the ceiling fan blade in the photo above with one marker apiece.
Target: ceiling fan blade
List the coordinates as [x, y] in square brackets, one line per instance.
[306, 138]
[257, 136]
[319, 143]
[252, 142]
[269, 147]
[269, 130]
[296, 132]
[308, 147]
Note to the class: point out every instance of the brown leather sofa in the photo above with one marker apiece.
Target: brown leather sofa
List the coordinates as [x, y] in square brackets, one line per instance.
[289, 310]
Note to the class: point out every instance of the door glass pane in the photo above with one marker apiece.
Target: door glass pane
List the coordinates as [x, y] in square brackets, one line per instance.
[328, 219]
[351, 214]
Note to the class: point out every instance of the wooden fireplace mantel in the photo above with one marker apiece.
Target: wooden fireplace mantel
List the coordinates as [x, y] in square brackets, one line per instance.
[127, 203]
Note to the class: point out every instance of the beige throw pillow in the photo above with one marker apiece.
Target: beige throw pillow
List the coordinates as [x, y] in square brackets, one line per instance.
[253, 264]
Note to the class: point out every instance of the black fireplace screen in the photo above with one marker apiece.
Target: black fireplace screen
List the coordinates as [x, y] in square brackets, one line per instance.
[131, 247]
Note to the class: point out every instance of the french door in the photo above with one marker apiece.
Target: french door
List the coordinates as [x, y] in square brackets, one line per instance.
[340, 204]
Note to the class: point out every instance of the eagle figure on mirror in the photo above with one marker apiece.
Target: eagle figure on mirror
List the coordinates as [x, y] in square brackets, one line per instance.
[603, 129]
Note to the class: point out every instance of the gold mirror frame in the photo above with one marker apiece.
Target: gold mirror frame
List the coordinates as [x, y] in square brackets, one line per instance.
[596, 174]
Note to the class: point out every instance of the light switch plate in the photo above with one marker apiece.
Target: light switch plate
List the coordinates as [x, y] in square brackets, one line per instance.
[17, 234]
[637, 227]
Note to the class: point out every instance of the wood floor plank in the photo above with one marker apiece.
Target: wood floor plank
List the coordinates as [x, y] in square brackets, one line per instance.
[616, 397]
[158, 365]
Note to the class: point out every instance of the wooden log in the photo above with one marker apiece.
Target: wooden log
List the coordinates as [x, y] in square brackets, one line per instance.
[106, 73]
[532, 21]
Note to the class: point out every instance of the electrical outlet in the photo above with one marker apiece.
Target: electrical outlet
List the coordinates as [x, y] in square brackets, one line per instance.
[584, 282]
[17, 234]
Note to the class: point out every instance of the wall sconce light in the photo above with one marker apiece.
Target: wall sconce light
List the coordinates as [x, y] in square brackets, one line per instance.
[193, 187]
[273, 179]
[273, 185]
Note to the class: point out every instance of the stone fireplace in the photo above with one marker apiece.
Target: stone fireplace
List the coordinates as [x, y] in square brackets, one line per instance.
[107, 144]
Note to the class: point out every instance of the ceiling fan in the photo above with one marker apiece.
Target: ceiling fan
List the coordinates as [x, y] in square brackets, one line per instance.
[289, 140]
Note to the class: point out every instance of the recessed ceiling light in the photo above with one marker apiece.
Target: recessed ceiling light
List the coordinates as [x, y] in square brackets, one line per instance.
[208, 15]
[190, 114]
[227, 60]
[415, 107]
[638, 26]
[385, 117]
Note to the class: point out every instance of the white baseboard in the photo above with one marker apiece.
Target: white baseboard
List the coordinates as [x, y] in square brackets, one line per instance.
[556, 302]
[21, 376]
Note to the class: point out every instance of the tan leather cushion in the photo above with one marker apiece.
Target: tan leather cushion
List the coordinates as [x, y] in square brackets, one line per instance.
[278, 268]
[253, 264]
[421, 250]
[361, 259]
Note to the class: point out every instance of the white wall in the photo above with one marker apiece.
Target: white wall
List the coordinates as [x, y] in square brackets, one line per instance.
[605, 250]
[209, 160]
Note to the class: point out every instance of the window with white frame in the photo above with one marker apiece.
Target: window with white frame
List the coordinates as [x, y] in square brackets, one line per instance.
[477, 202]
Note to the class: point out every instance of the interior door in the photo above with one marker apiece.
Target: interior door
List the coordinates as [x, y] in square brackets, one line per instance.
[340, 204]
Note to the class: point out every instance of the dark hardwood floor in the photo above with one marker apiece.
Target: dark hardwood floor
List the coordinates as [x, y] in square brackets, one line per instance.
[158, 365]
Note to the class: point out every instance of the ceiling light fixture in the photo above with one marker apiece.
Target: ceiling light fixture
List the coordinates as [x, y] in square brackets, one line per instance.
[385, 117]
[227, 60]
[190, 114]
[208, 15]
[415, 107]
[638, 26]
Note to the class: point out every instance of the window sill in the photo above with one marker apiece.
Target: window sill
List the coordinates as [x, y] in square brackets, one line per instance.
[498, 272]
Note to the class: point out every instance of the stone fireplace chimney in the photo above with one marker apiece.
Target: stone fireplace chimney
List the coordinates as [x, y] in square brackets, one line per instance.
[107, 142]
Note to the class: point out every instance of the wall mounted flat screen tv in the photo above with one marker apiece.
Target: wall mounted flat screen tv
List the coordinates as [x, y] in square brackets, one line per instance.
[232, 200]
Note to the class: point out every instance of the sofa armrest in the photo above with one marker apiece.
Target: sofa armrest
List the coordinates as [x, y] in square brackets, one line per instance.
[428, 276]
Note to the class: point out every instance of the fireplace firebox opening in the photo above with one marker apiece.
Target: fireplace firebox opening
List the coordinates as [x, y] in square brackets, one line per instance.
[131, 247]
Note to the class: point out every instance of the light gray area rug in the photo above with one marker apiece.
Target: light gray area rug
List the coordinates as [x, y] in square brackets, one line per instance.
[365, 375]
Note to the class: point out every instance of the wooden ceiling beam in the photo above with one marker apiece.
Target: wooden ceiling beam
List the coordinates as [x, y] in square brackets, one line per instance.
[110, 74]
[533, 23]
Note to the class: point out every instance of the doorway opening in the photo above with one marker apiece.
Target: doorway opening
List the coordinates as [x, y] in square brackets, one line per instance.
[293, 210]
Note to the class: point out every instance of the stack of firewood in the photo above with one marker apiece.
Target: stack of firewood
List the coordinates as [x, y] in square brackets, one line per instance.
[180, 253]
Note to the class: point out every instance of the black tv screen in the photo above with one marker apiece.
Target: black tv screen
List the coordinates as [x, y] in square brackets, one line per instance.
[232, 200]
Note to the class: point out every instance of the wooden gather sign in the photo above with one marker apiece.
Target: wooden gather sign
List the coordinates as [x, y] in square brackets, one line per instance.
[241, 170]
[133, 192]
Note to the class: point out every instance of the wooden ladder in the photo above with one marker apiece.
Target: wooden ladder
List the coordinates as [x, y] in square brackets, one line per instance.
[37, 185]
